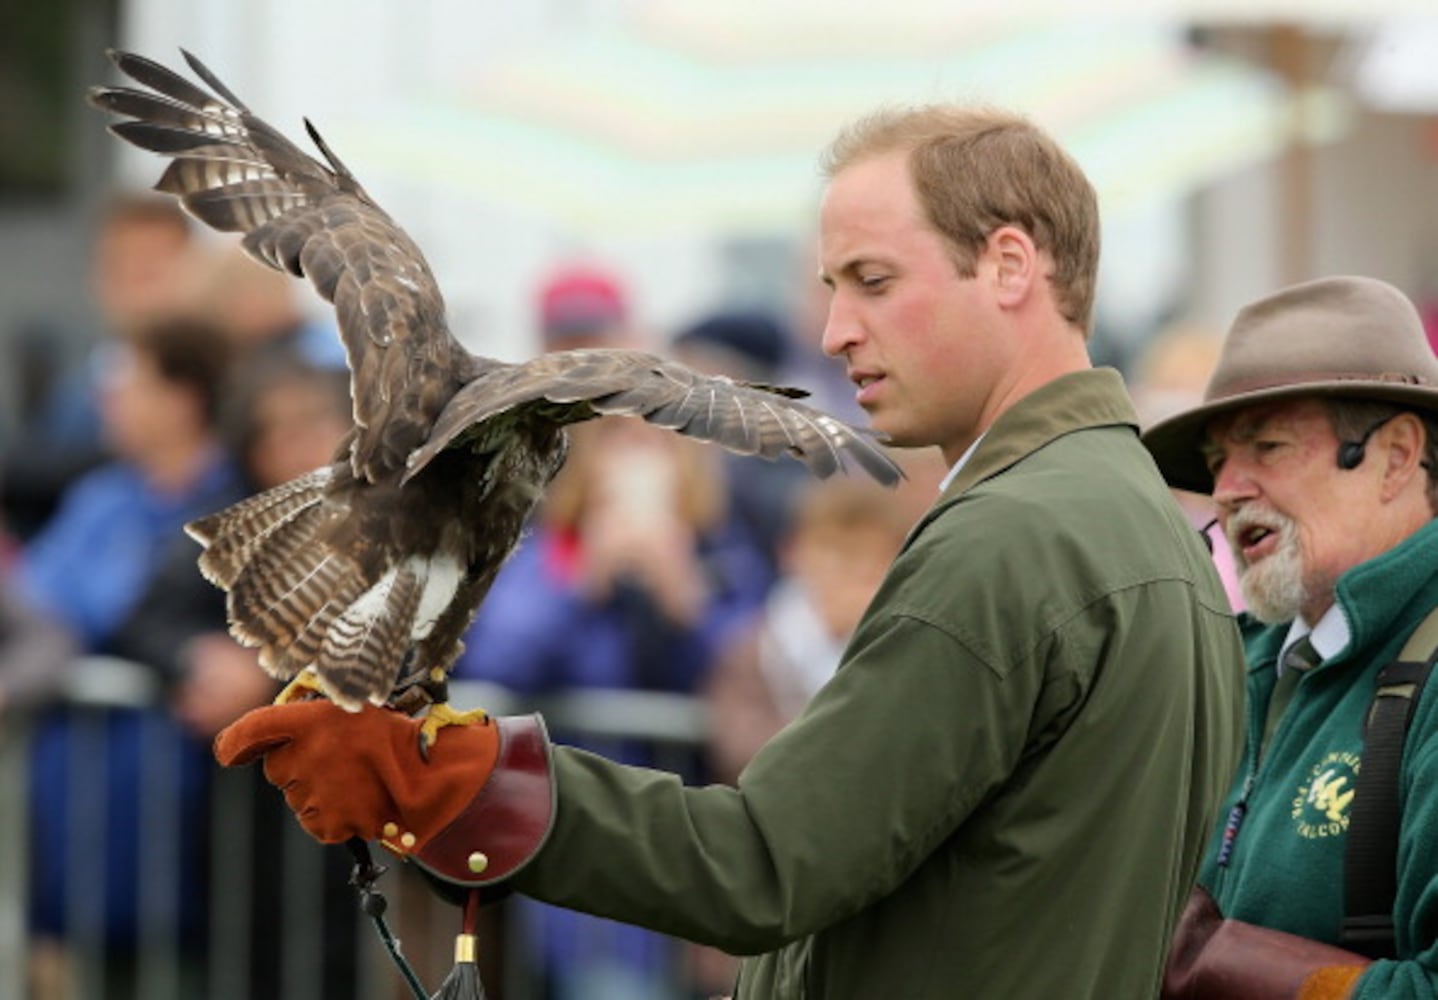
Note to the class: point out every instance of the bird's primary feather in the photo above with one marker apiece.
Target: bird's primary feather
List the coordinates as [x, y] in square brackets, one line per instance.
[370, 570]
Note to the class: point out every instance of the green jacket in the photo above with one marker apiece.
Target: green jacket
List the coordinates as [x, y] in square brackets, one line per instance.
[1286, 866]
[1005, 789]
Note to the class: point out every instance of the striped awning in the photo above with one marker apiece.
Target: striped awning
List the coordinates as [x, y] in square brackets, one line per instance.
[704, 117]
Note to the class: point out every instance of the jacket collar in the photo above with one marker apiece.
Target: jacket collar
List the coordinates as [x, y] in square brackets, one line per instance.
[1389, 594]
[1090, 398]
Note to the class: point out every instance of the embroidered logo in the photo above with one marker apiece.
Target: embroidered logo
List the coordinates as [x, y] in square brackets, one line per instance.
[1321, 807]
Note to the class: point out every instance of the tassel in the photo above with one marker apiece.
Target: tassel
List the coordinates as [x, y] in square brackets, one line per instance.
[463, 982]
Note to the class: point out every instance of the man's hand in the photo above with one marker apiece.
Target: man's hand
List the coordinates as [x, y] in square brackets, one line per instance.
[477, 809]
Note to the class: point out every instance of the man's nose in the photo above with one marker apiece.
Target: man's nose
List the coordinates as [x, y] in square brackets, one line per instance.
[841, 329]
[1232, 485]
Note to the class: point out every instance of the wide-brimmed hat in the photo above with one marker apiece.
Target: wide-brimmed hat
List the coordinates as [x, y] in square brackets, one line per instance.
[1357, 338]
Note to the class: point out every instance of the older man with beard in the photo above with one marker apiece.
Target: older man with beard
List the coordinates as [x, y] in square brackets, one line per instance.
[1318, 440]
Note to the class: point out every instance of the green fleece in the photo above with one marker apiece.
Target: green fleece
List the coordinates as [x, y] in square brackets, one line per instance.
[1285, 869]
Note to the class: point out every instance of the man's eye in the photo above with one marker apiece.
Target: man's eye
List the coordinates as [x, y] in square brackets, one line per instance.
[873, 282]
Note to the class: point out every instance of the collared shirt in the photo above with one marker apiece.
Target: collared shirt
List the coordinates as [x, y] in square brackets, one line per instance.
[953, 473]
[1329, 637]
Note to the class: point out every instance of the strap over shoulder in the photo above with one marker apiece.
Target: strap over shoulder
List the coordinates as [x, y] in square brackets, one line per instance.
[1371, 856]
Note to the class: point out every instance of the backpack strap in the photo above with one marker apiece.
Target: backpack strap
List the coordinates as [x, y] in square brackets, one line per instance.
[1371, 856]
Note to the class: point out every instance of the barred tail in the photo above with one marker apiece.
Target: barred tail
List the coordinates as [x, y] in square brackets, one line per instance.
[299, 594]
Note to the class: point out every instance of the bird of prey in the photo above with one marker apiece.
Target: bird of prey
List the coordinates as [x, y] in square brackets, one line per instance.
[364, 575]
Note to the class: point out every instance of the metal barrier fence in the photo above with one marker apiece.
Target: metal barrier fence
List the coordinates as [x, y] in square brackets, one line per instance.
[280, 920]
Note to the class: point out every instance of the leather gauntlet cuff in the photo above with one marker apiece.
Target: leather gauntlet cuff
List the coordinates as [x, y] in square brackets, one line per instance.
[507, 822]
[1213, 958]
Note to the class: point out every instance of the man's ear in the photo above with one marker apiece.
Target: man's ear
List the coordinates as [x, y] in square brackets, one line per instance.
[1015, 262]
[1402, 443]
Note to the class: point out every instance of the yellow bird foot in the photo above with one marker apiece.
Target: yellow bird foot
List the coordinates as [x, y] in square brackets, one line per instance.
[306, 684]
[440, 714]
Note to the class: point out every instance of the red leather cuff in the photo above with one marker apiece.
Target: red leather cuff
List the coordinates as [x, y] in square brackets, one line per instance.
[506, 824]
[1216, 959]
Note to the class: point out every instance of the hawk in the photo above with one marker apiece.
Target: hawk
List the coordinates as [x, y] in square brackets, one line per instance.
[363, 576]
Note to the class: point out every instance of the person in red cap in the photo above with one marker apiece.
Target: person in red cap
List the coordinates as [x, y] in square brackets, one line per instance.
[1317, 438]
[582, 305]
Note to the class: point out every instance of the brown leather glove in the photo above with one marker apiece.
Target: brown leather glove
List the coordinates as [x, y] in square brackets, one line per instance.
[478, 809]
[1217, 959]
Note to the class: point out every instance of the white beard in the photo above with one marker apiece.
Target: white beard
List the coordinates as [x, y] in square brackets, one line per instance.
[1273, 587]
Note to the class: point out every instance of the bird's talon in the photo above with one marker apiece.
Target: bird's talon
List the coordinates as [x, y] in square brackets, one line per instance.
[306, 684]
[440, 714]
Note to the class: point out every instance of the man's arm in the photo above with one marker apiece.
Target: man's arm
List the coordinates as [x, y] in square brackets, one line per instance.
[818, 828]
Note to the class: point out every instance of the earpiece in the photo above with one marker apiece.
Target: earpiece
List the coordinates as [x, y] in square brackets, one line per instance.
[1350, 453]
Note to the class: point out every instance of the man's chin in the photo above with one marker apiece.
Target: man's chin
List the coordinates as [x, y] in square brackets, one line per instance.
[1271, 601]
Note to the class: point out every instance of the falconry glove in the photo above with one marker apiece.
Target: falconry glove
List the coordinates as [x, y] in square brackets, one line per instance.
[473, 812]
[1214, 958]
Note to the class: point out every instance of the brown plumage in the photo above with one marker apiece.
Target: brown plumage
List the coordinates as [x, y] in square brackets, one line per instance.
[370, 570]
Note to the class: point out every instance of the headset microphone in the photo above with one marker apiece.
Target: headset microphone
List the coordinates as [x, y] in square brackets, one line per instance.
[1350, 453]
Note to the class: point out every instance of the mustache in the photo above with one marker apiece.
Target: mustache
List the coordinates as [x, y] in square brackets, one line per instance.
[1246, 518]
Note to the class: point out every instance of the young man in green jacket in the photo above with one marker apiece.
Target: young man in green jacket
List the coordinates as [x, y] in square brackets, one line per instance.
[1318, 439]
[1005, 790]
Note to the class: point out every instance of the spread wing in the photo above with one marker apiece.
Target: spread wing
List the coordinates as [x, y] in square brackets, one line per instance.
[236, 173]
[570, 386]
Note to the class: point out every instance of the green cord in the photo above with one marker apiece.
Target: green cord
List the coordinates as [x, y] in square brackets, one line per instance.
[391, 944]
[366, 872]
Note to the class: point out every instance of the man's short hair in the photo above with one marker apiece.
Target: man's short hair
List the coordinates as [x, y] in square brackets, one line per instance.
[976, 169]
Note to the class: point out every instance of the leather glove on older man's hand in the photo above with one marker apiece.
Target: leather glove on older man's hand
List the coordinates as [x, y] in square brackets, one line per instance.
[473, 813]
[1213, 958]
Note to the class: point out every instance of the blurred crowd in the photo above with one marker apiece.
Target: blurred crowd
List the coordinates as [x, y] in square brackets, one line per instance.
[654, 563]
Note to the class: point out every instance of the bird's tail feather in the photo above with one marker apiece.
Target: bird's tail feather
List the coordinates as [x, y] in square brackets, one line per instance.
[289, 579]
[232, 536]
[297, 594]
[364, 648]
